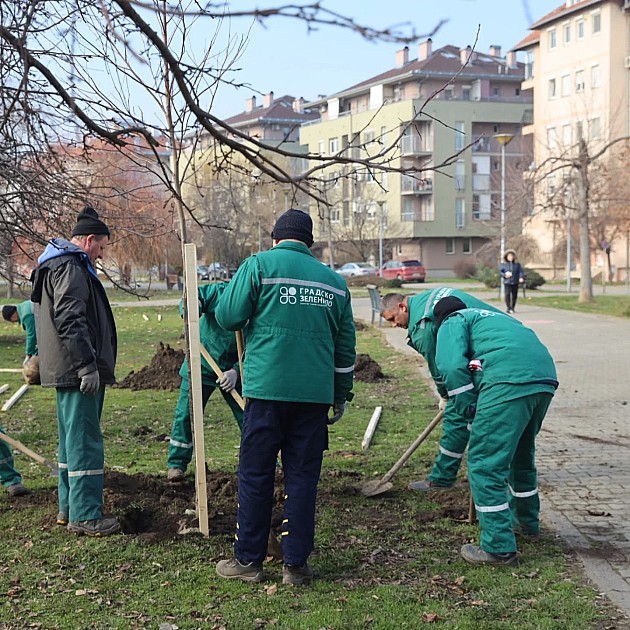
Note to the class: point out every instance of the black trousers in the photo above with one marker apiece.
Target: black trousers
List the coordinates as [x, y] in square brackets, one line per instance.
[511, 295]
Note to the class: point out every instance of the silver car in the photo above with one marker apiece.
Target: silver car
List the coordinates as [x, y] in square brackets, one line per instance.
[353, 269]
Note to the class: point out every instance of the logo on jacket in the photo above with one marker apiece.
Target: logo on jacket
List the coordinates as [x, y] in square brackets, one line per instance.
[287, 295]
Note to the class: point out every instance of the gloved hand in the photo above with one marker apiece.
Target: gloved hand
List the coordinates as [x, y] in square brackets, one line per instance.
[442, 404]
[27, 358]
[338, 409]
[90, 383]
[228, 382]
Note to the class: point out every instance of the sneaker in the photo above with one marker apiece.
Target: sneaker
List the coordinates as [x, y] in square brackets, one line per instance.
[427, 485]
[296, 576]
[62, 518]
[234, 570]
[18, 490]
[476, 555]
[175, 475]
[95, 527]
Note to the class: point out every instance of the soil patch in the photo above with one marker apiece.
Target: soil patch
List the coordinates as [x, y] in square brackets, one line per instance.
[161, 373]
[367, 370]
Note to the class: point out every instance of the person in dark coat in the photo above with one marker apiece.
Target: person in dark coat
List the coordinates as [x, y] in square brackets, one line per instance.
[513, 276]
[77, 350]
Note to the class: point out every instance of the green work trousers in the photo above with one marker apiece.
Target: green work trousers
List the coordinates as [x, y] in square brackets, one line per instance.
[453, 443]
[181, 445]
[81, 453]
[502, 469]
[8, 474]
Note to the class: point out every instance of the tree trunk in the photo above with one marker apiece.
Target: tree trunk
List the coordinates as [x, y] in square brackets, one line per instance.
[586, 282]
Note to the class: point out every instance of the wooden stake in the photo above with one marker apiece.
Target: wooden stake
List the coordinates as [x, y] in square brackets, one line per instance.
[240, 349]
[472, 512]
[4, 388]
[371, 428]
[20, 392]
[11, 370]
[217, 370]
[194, 343]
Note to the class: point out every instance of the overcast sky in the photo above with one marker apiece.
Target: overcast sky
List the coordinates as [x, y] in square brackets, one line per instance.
[284, 58]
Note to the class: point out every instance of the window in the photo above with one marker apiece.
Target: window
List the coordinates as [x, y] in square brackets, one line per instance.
[579, 131]
[368, 136]
[596, 80]
[581, 26]
[333, 146]
[595, 128]
[460, 135]
[596, 22]
[579, 81]
[566, 135]
[460, 212]
[552, 138]
[551, 38]
[346, 213]
[322, 147]
[460, 175]
[467, 245]
[481, 207]
[552, 88]
[551, 185]
[466, 93]
[334, 214]
[450, 245]
[565, 85]
[529, 64]
[566, 33]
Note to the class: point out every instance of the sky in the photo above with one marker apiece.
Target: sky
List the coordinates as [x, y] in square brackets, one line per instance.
[283, 57]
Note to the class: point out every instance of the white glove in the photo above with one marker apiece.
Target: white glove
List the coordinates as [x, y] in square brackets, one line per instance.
[338, 409]
[27, 358]
[442, 404]
[228, 382]
[90, 383]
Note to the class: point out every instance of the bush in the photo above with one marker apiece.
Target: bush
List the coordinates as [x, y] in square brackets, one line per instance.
[533, 278]
[488, 275]
[362, 281]
[464, 269]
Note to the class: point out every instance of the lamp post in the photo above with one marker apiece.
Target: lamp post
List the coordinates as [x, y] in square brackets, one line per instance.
[380, 236]
[504, 139]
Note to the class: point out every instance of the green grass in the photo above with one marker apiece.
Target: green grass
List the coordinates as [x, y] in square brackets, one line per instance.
[385, 562]
[614, 305]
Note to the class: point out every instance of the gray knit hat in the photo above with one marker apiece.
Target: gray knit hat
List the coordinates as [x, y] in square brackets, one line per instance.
[89, 223]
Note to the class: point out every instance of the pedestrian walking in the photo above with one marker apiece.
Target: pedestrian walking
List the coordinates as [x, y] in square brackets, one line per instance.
[513, 277]
[299, 363]
[77, 349]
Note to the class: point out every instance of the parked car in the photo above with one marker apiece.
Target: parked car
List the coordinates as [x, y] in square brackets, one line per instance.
[202, 272]
[407, 270]
[218, 271]
[352, 269]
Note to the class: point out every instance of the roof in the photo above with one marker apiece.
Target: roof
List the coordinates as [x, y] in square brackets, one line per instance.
[526, 42]
[562, 11]
[280, 110]
[443, 62]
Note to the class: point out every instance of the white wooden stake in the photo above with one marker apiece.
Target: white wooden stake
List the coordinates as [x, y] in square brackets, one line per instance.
[20, 392]
[194, 343]
[11, 370]
[371, 428]
[4, 388]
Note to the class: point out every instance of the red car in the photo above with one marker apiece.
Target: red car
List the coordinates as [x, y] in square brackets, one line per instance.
[407, 270]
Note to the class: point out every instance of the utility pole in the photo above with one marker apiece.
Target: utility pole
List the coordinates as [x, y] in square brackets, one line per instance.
[504, 139]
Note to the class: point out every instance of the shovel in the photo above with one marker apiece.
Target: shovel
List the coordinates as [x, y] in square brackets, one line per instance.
[18, 446]
[378, 486]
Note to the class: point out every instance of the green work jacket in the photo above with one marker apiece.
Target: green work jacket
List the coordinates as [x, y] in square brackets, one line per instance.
[422, 331]
[509, 353]
[26, 318]
[300, 336]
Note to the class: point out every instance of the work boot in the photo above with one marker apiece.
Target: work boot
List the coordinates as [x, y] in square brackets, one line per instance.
[296, 576]
[234, 570]
[476, 555]
[18, 490]
[175, 475]
[62, 518]
[427, 486]
[95, 527]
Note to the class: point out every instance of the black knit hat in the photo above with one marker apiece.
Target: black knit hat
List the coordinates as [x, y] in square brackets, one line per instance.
[445, 307]
[89, 223]
[294, 224]
[8, 311]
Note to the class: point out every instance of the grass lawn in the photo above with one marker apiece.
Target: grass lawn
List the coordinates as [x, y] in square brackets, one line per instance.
[615, 305]
[385, 562]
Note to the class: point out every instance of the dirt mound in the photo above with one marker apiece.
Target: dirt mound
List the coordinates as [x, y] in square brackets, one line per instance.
[366, 369]
[161, 373]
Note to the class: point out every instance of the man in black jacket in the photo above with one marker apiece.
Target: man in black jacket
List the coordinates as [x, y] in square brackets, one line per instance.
[77, 349]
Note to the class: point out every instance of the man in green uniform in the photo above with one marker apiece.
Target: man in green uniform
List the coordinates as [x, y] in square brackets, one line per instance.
[23, 314]
[221, 345]
[299, 362]
[415, 313]
[502, 378]
[10, 478]
[77, 350]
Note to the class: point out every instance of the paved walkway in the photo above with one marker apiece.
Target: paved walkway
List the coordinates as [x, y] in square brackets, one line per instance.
[584, 446]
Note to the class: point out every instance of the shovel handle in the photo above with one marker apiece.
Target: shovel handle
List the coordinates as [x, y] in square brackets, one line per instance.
[409, 452]
[219, 372]
[18, 446]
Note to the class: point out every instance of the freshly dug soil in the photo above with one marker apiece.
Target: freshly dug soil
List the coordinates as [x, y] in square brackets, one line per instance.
[161, 373]
[367, 369]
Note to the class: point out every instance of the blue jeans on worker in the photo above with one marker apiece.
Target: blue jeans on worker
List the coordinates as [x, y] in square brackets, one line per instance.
[300, 432]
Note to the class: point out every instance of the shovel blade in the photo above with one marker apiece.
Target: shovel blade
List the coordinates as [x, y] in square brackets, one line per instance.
[376, 487]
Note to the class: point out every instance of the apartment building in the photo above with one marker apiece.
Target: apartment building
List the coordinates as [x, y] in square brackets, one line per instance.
[578, 69]
[433, 120]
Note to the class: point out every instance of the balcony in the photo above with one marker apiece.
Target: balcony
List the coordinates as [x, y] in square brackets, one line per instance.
[481, 182]
[414, 145]
[416, 186]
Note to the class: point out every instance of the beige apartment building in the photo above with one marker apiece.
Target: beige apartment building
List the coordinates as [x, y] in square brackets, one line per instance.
[433, 120]
[578, 69]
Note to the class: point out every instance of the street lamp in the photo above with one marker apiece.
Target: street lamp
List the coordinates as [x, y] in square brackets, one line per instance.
[380, 236]
[504, 139]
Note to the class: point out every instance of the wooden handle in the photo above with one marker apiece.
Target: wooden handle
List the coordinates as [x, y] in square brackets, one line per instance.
[240, 348]
[18, 446]
[213, 364]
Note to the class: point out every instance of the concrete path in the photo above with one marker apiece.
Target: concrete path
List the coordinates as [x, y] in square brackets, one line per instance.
[584, 446]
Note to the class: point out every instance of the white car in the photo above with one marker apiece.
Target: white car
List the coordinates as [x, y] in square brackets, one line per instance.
[353, 269]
